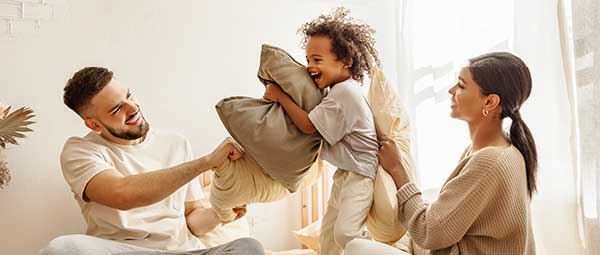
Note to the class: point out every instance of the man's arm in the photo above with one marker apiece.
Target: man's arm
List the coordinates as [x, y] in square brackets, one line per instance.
[112, 189]
[298, 115]
[200, 218]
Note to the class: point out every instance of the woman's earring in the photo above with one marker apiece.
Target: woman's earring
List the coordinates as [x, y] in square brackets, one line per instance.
[485, 112]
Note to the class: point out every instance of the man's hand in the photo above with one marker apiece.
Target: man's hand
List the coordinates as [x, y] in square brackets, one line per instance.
[237, 151]
[229, 148]
[273, 93]
[240, 211]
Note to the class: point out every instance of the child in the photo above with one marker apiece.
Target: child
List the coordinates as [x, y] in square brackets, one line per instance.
[339, 52]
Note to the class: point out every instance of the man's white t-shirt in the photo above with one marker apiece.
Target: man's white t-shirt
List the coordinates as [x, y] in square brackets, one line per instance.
[158, 226]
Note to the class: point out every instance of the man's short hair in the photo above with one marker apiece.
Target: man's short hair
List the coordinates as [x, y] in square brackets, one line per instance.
[84, 85]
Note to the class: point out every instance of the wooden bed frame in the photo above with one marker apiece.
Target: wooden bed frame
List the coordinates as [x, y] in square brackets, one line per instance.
[312, 210]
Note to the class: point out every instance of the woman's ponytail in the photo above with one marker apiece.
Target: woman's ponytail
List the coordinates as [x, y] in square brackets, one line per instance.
[507, 76]
[521, 138]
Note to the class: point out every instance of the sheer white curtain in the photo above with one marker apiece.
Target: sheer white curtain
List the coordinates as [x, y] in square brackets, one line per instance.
[435, 40]
[582, 29]
[437, 37]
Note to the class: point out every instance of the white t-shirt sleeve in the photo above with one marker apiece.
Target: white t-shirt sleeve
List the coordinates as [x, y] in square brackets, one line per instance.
[331, 119]
[194, 189]
[80, 162]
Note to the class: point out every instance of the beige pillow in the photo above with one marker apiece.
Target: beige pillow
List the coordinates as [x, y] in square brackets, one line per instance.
[264, 129]
[224, 233]
[391, 120]
[309, 236]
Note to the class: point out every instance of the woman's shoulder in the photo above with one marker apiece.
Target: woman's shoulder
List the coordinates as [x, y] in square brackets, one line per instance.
[506, 158]
[498, 152]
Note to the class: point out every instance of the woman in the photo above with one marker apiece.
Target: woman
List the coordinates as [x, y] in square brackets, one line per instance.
[484, 206]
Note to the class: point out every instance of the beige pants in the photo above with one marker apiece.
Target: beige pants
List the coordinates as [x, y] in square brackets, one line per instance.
[347, 211]
[241, 182]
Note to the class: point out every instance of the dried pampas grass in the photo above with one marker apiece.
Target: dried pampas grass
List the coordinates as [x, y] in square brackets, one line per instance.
[12, 127]
[14, 124]
[4, 174]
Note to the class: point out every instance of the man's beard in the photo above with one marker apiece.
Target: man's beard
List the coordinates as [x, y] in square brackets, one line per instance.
[131, 135]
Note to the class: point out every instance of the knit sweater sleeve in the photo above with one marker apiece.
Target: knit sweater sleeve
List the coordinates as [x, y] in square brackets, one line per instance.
[460, 203]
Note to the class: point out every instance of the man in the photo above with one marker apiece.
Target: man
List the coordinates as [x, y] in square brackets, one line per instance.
[137, 187]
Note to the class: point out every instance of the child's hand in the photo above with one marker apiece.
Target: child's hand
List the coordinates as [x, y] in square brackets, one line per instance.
[273, 93]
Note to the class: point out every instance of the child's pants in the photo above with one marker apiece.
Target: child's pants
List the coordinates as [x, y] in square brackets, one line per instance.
[347, 211]
[241, 182]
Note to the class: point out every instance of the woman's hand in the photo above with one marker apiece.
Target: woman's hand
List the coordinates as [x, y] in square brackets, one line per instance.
[391, 160]
[273, 93]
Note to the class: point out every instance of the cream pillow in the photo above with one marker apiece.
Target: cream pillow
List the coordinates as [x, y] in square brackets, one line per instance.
[292, 252]
[224, 233]
[391, 120]
[309, 236]
[265, 131]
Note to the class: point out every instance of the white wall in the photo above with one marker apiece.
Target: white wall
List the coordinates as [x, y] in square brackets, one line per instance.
[178, 57]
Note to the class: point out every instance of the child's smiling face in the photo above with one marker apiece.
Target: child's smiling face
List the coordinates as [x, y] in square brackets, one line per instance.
[323, 65]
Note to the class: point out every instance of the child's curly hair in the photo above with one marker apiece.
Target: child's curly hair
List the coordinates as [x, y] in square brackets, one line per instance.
[349, 40]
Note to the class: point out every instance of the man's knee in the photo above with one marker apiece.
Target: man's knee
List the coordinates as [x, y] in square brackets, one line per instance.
[249, 246]
[68, 244]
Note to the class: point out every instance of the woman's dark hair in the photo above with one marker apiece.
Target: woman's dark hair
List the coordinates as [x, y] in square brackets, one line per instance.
[349, 40]
[507, 76]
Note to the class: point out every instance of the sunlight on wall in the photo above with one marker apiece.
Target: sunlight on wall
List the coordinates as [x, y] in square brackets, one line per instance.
[443, 38]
